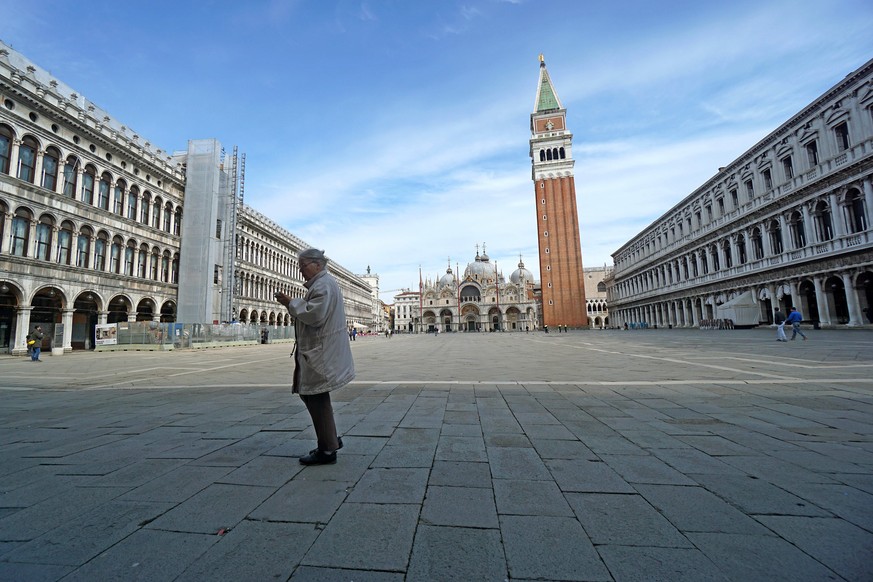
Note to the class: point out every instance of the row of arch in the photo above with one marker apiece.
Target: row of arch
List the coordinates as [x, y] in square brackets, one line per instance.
[472, 318]
[61, 241]
[840, 298]
[50, 169]
[550, 154]
[792, 230]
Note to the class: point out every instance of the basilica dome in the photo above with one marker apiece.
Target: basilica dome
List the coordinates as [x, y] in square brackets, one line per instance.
[480, 269]
[521, 274]
[447, 280]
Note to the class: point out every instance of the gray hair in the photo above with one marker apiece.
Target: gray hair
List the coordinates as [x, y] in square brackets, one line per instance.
[313, 255]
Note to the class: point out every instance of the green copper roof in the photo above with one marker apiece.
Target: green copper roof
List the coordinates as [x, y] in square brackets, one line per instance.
[546, 97]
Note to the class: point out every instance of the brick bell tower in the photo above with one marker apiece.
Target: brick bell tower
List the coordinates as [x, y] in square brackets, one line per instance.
[551, 154]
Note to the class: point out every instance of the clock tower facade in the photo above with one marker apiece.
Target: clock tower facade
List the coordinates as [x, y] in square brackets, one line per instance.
[561, 275]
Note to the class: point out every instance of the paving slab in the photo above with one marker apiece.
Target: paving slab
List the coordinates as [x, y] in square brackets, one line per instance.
[609, 455]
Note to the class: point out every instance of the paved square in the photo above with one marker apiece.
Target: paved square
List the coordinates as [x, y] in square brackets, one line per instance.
[597, 455]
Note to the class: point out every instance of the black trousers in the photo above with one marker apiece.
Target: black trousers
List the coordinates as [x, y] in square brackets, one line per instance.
[321, 413]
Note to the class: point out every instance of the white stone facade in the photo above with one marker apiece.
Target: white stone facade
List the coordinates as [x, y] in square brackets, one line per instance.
[785, 224]
[91, 223]
[596, 301]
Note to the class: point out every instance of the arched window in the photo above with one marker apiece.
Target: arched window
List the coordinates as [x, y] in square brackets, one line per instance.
[156, 217]
[175, 268]
[71, 167]
[741, 249]
[132, 198]
[822, 221]
[44, 238]
[65, 243]
[115, 255]
[549, 155]
[855, 207]
[50, 162]
[775, 229]
[757, 244]
[554, 153]
[726, 251]
[118, 197]
[168, 217]
[146, 207]
[798, 236]
[103, 191]
[561, 154]
[5, 148]
[156, 258]
[142, 261]
[713, 251]
[83, 247]
[101, 245]
[88, 179]
[165, 267]
[21, 233]
[27, 159]
[601, 287]
[177, 222]
[129, 257]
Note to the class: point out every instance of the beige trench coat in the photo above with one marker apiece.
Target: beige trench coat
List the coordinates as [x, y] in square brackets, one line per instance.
[322, 356]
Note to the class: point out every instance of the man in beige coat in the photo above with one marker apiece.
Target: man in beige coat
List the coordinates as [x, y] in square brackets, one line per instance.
[322, 355]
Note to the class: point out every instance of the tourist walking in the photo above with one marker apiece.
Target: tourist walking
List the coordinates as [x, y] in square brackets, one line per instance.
[322, 354]
[779, 320]
[34, 343]
[794, 318]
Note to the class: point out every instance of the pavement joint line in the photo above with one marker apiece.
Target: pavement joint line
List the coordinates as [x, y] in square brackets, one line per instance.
[798, 364]
[702, 382]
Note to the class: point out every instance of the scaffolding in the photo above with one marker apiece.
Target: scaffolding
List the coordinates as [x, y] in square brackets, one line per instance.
[235, 175]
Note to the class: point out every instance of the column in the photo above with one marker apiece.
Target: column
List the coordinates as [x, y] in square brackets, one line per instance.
[102, 317]
[6, 243]
[67, 320]
[53, 247]
[22, 328]
[697, 263]
[765, 241]
[695, 314]
[808, 230]
[856, 318]
[795, 294]
[38, 170]
[31, 239]
[684, 313]
[837, 216]
[824, 312]
[868, 200]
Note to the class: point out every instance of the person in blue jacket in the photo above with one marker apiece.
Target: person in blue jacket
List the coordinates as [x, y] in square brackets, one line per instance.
[794, 318]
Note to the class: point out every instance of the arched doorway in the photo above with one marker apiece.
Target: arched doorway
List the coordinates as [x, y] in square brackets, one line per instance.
[10, 299]
[118, 309]
[429, 320]
[168, 312]
[864, 286]
[85, 319]
[808, 303]
[47, 306]
[835, 293]
[495, 318]
[446, 319]
[513, 319]
[470, 317]
[145, 310]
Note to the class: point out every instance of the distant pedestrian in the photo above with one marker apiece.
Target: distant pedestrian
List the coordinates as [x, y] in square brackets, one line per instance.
[794, 318]
[546, 328]
[779, 320]
[34, 343]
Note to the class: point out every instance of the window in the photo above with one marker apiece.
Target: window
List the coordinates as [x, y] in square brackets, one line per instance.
[750, 190]
[156, 257]
[708, 209]
[43, 240]
[129, 255]
[165, 267]
[103, 192]
[131, 203]
[841, 132]
[20, 235]
[65, 244]
[812, 153]
[88, 185]
[177, 222]
[857, 216]
[115, 256]
[775, 237]
[741, 249]
[768, 179]
[50, 162]
[757, 244]
[156, 216]
[118, 198]
[27, 159]
[218, 229]
[142, 261]
[216, 277]
[726, 251]
[787, 167]
[795, 224]
[70, 170]
[5, 148]
[83, 249]
[822, 221]
[721, 206]
[146, 206]
[168, 217]
[735, 199]
[100, 246]
[697, 218]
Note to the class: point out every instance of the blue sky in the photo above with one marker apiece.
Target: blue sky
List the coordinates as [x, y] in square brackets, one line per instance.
[394, 134]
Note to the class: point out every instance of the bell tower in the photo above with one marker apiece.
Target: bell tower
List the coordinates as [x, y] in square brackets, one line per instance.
[551, 154]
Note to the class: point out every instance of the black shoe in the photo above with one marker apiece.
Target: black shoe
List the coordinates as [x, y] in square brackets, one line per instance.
[319, 458]
[339, 439]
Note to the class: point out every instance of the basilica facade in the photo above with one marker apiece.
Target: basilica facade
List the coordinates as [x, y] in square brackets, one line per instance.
[97, 225]
[785, 224]
[481, 299]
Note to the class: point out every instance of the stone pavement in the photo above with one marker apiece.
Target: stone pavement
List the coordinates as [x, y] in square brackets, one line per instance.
[608, 455]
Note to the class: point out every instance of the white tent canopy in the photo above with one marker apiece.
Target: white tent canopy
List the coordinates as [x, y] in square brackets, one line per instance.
[743, 310]
[360, 325]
